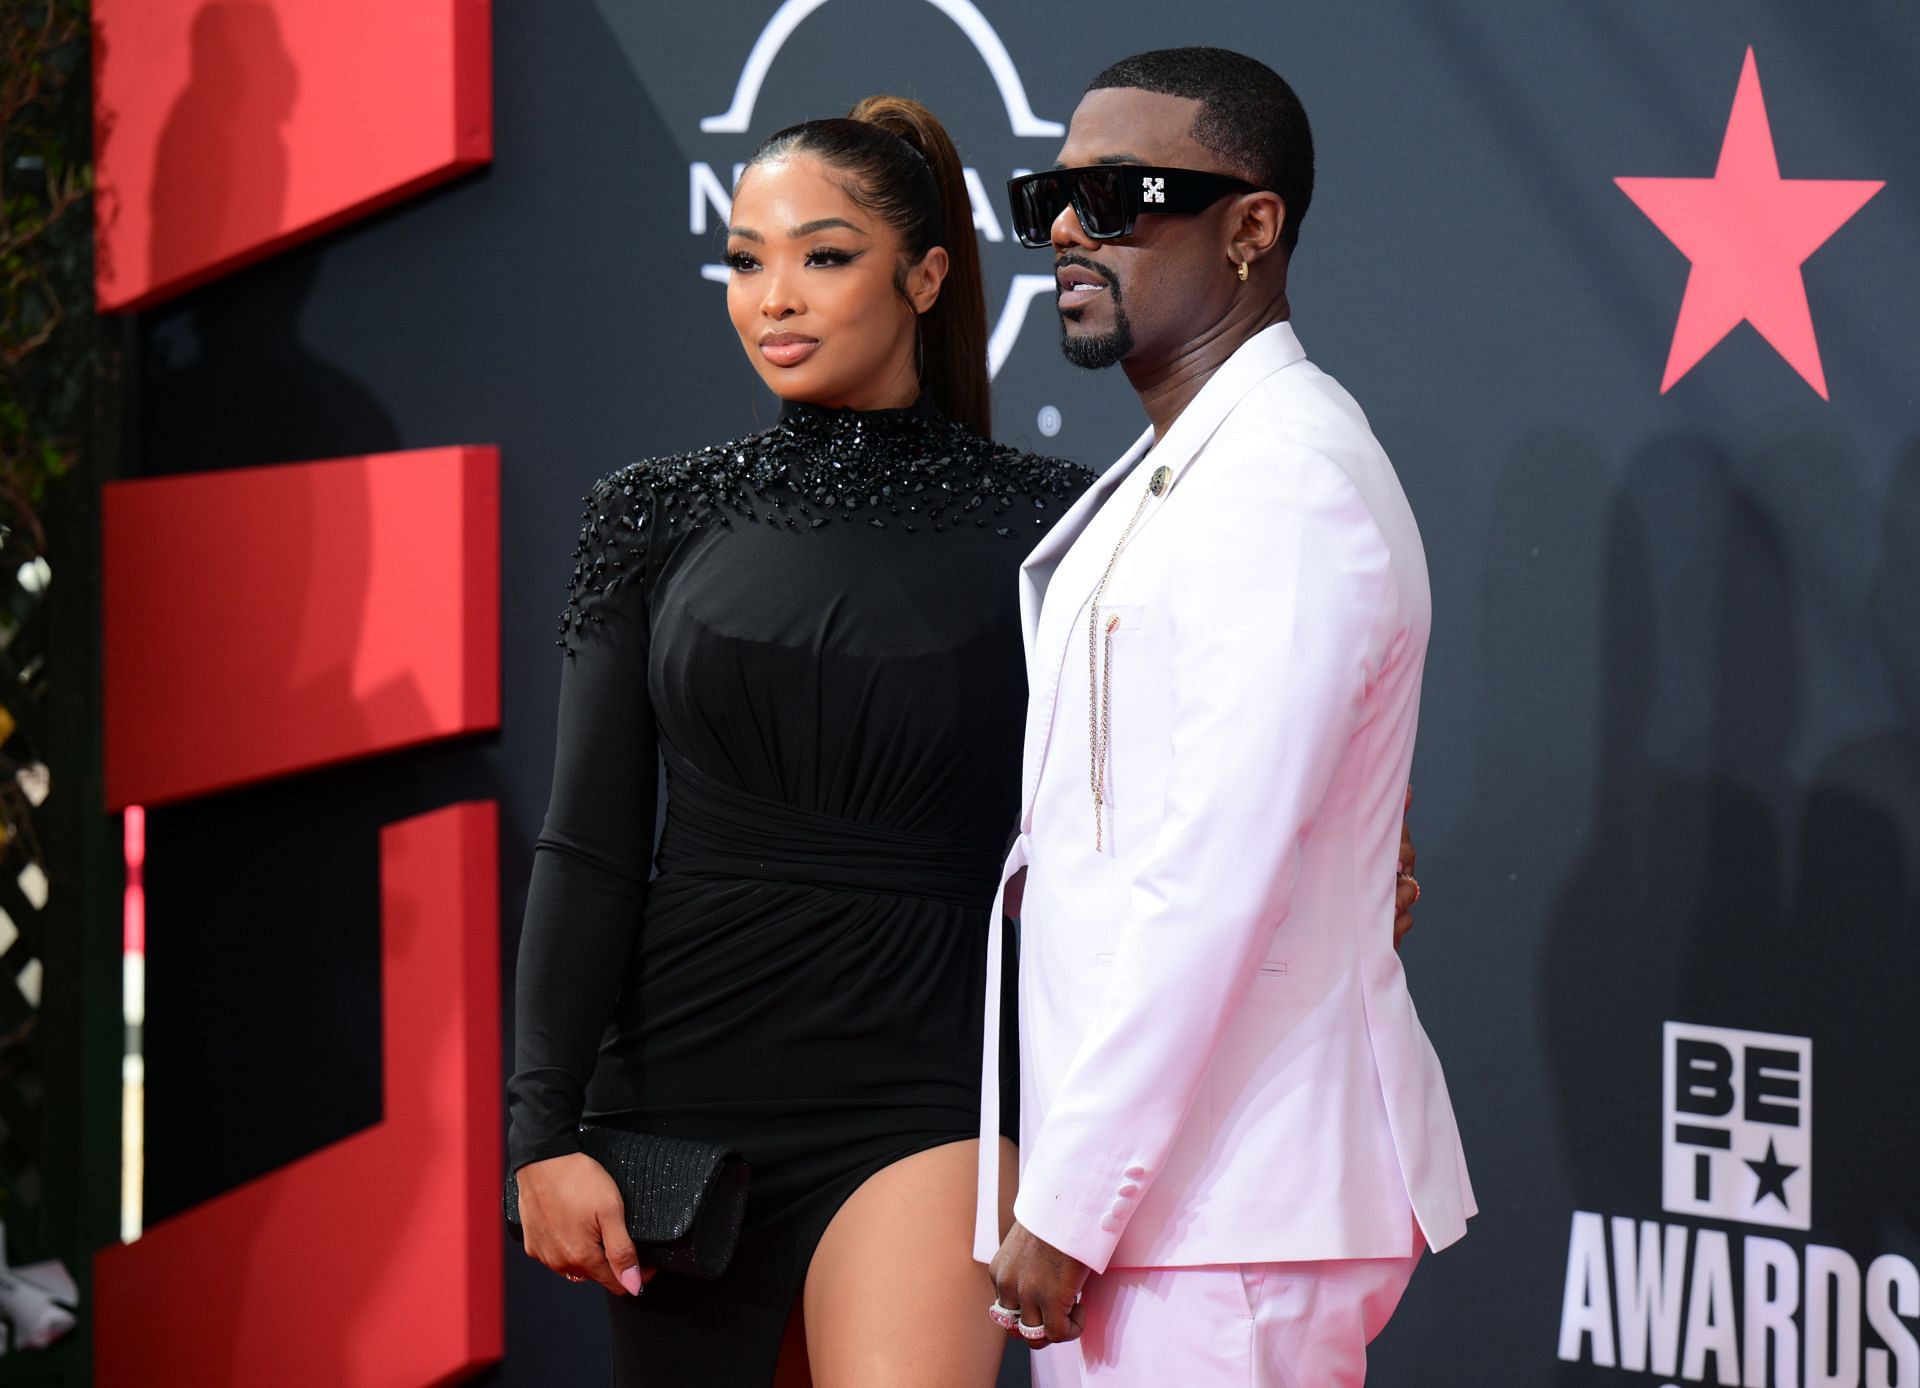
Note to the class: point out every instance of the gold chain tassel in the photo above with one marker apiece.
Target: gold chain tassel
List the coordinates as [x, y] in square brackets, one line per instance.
[1099, 671]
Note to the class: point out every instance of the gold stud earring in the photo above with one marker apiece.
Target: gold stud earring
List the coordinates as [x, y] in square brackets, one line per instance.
[1241, 266]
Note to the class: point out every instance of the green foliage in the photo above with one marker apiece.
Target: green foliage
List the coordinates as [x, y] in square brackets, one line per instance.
[46, 183]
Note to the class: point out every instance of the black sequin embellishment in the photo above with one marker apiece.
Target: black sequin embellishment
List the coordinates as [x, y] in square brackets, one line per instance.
[845, 462]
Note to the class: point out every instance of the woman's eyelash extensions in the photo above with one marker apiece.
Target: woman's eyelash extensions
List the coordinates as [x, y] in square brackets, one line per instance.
[818, 258]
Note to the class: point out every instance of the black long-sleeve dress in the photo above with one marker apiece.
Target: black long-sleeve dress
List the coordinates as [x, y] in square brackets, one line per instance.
[816, 628]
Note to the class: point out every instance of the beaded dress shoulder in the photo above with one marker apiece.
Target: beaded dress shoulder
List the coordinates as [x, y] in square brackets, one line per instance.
[907, 468]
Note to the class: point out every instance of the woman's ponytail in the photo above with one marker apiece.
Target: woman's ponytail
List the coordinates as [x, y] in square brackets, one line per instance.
[954, 330]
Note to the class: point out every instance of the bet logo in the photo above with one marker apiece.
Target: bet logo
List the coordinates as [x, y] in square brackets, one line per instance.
[1737, 1126]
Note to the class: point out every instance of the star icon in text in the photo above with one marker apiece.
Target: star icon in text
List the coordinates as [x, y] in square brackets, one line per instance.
[1747, 231]
[1773, 1174]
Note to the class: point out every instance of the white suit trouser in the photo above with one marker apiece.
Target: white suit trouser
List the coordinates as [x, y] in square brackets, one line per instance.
[1256, 1325]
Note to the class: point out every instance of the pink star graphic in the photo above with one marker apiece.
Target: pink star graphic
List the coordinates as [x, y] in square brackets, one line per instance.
[1747, 231]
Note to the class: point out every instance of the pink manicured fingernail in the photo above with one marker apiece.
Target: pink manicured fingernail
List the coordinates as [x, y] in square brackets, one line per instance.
[630, 1279]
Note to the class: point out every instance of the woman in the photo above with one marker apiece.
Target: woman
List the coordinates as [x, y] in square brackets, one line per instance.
[816, 628]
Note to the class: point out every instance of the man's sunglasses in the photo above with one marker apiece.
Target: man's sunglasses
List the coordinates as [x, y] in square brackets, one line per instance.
[1108, 198]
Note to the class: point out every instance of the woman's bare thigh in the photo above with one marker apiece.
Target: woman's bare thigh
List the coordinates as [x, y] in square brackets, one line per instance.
[893, 1295]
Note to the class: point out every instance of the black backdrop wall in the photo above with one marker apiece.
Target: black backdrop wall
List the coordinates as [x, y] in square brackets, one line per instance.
[1670, 764]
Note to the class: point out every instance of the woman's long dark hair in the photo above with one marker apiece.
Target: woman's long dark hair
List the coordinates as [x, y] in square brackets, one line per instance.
[901, 165]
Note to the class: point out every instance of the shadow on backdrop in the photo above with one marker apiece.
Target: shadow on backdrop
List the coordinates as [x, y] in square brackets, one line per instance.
[1722, 884]
[220, 171]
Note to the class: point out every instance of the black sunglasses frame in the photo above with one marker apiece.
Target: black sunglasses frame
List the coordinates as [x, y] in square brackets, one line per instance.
[1109, 198]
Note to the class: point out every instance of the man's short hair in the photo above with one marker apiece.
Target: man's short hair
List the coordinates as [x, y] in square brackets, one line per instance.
[1248, 116]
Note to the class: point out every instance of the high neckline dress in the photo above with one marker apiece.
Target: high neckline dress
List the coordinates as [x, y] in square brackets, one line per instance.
[815, 630]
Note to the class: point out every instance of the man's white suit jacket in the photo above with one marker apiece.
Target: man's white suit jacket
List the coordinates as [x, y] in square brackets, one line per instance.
[1220, 1059]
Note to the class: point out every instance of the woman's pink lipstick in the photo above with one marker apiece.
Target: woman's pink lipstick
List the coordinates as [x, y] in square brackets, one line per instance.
[788, 349]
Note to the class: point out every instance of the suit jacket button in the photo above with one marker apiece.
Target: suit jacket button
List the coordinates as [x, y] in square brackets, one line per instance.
[1130, 1189]
[1111, 1223]
[1136, 1173]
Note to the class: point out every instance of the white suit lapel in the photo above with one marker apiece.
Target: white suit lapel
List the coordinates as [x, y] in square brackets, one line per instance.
[1268, 351]
[1038, 569]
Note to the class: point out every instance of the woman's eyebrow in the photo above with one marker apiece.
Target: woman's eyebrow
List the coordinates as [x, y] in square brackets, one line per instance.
[810, 228]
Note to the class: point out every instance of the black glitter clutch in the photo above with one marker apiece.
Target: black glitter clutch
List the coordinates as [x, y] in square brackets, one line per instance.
[685, 1200]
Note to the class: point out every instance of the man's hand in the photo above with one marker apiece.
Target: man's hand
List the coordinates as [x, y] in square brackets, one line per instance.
[1042, 1283]
[1406, 889]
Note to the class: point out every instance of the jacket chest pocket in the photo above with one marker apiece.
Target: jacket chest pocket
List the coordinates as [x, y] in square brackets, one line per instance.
[1130, 690]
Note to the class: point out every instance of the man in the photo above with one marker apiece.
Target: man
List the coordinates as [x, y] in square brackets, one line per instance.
[1235, 1136]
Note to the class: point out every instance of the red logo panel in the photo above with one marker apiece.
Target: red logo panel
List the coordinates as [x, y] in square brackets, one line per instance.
[228, 129]
[259, 622]
[376, 1262]
[264, 621]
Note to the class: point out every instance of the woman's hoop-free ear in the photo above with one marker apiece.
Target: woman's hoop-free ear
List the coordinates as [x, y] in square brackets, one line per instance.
[924, 279]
